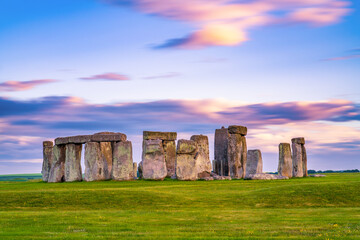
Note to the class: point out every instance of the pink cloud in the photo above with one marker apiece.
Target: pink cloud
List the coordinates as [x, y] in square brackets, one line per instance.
[343, 58]
[227, 22]
[12, 86]
[107, 77]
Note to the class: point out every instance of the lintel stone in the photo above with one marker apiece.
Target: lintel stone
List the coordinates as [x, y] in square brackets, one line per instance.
[235, 129]
[148, 135]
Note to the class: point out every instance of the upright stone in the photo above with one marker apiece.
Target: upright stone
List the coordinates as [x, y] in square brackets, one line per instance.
[95, 163]
[135, 169]
[304, 160]
[254, 164]
[203, 164]
[243, 155]
[47, 159]
[107, 152]
[185, 160]
[153, 164]
[235, 149]
[122, 161]
[297, 157]
[170, 156]
[285, 161]
[57, 171]
[221, 152]
[73, 162]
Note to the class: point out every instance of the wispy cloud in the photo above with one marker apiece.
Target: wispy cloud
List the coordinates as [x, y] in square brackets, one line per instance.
[166, 75]
[13, 86]
[355, 53]
[107, 77]
[227, 22]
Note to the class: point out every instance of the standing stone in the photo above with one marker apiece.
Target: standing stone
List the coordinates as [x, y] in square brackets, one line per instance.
[73, 162]
[243, 155]
[57, 171]
[297, 157]
[153, 160]
[304, 160]
[47, 159]
[221, 152]
[234, 156]
[107, 152]
[95, 162]
[185, 160]
[170, 156]
[122, 161]
[135, 169]
[285, 161]
[254, 164]
[203, 164]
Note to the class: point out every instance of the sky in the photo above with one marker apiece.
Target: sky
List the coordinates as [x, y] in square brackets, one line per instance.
[283, 68]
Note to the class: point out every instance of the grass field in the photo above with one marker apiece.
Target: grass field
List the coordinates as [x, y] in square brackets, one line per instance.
[309, 208]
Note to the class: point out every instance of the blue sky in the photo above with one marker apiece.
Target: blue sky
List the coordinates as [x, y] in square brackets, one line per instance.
[283, 68]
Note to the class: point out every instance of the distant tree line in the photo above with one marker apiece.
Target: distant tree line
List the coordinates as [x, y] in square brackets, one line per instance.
[332, 171]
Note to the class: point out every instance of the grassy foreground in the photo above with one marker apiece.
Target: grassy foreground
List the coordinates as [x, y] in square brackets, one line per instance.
[310, 208]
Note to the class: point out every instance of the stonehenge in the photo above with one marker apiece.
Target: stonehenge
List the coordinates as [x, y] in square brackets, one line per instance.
[109, 156]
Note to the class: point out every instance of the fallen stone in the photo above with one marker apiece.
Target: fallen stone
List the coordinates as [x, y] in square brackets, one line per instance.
[47, 159]
[254, 162]
[221, 151]
[57, 170]
[95, 163]
[169, 136]
[285, 161]
[153, 160]
[207, 178]
[107, 152]
[204, 174]
[185, 160]
[317, 175]
[265, 176]
[73, 162]
[234, 129]
[123, 168]
[170, 156]
[202, 156]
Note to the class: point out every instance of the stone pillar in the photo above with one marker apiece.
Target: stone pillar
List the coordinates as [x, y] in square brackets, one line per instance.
[107, 152]
[135, 169]
[185, 160]
[47, 159]
[168, 145]
[73, 162]
[254, 164]
[298, 157]
[153, 164]
[304, 160]
[95, 162]
[122, 161]
[202, 161]
[285, 162]
[221, 151]
[57, 170]
[237, 151]
[213, 166]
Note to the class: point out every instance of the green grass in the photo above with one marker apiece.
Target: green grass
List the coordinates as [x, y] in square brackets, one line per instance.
[20, 177]
[309, 208]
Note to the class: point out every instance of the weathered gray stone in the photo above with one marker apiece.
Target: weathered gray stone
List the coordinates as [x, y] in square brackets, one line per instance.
[140, 170]
[304, 160]
[98, 137]
[297, 159]
[80, 139]
[107, 152]
[153, 160]
[47, 159]
[221, 151]
[95, 163]
[265, 176]
[234, 129]
[73, 162]
[204, 174]
[108, 137]
[213, 165]
[202, 160]
[237, 155]
[135, 169]
[123, 168]
[57, 170]
[169, 136]
[285, 167]
[185, 160]
[170, 156]
[299, 140]
[254, 162]
[207, 178]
